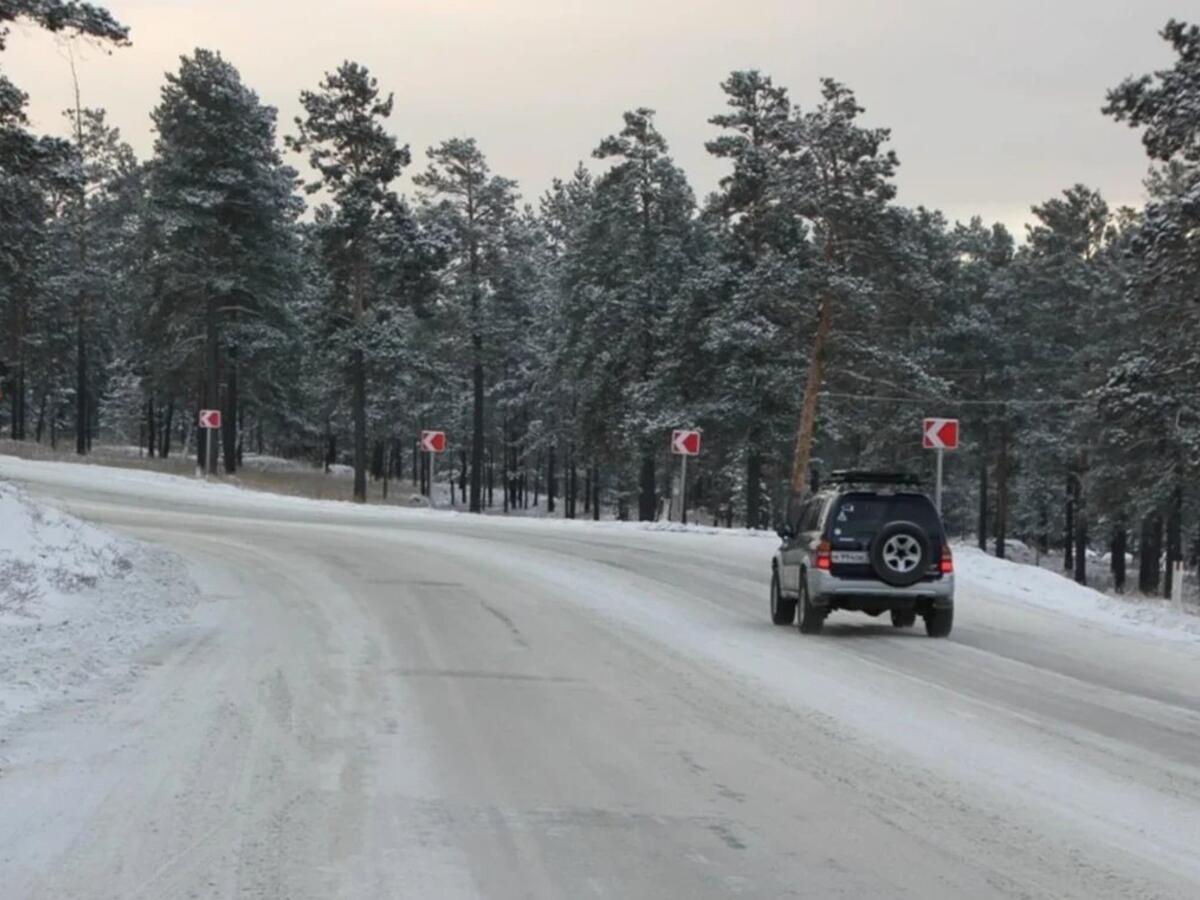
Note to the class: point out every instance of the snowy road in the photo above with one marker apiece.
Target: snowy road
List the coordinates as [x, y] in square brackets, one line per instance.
[372, 703]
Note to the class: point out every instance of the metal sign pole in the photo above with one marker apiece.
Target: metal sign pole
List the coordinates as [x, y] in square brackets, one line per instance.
[937, 497]
[432, 460]
[683, 490]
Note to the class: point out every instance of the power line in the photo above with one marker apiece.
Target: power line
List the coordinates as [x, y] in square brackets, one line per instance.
[1055, 401]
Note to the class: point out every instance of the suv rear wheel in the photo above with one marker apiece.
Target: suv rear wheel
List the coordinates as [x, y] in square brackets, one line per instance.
[811, 618]
[900, 553]
[783, 611]
[938, 622]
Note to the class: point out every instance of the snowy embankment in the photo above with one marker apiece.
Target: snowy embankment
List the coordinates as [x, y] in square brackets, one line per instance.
[76, 603]
[1027, 584]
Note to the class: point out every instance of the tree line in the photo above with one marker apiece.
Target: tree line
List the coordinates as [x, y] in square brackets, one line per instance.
[798, 314]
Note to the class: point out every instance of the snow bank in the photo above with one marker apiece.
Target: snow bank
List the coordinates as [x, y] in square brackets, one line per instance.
[1005, 581]
[76, 602]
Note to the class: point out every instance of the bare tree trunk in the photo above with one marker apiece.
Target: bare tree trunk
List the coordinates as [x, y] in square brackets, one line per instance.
[387, 472]
[491, 478]
[753, 481]
[983, 498]
[41, 420]
[1081, 536]
[165, 450]
[477, 424]
[648, 493]
[20, 399]
[537, 482]
[812, 387]
[151, 427]
[1002, 495]
[1069, 528]
[360, 425]
[81, 391]
[230, 422]
[1174, 538]
[1119, 540]
[82, 412]
[506, 475]
[572, 485]
[378, 453]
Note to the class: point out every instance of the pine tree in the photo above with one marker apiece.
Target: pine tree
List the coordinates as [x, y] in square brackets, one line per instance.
[90, 236]
[476, 207]
[838, 183]
[761, 253]
[32, 169]
[357, 160]
[644, 219]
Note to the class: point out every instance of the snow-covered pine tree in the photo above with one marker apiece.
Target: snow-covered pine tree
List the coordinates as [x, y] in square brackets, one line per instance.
[32, 171]
[477, 208]
[753, 283]
[838, 183]
[222, 207]
[640, 251]
[91, 231]
[1153, 385]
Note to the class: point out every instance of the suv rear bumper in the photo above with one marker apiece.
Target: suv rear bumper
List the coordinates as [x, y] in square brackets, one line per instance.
[854, 593]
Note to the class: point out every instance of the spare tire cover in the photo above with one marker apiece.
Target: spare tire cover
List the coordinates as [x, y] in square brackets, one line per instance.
[900, 553]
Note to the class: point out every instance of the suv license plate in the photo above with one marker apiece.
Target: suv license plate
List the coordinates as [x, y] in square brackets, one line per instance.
[849, 556]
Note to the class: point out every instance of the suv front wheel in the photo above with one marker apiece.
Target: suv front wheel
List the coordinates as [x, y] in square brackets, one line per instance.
[783, 611]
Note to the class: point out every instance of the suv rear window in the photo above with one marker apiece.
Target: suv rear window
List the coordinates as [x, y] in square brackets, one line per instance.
[860, 516]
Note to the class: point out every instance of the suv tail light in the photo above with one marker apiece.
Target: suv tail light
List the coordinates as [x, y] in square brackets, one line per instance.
[824, 555]
[947, 565]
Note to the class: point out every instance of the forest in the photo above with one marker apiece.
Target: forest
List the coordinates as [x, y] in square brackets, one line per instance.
[276, 271]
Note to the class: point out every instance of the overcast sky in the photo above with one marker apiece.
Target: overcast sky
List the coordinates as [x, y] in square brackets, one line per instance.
[993, 106]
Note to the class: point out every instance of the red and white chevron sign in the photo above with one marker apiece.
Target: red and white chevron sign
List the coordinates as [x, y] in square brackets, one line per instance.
[685, 442]
[940, 434]
[210, 418]
[433, 441]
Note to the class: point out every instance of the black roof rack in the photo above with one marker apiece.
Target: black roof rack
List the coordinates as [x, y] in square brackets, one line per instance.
[855, 476]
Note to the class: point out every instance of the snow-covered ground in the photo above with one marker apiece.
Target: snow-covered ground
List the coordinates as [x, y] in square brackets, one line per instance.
[76, 603]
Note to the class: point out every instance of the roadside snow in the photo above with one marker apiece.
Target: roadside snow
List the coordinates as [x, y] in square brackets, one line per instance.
[76, 602]
[1004, 581]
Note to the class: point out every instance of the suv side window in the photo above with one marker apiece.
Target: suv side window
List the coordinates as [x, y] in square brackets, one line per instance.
[812, 515]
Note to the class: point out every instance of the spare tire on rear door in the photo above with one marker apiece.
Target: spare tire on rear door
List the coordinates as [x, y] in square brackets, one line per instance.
[900, 553]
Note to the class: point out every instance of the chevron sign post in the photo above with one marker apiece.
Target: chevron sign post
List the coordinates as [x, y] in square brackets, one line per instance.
[940, 435]
[685, 442]
[210, 421]
[432, 444]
